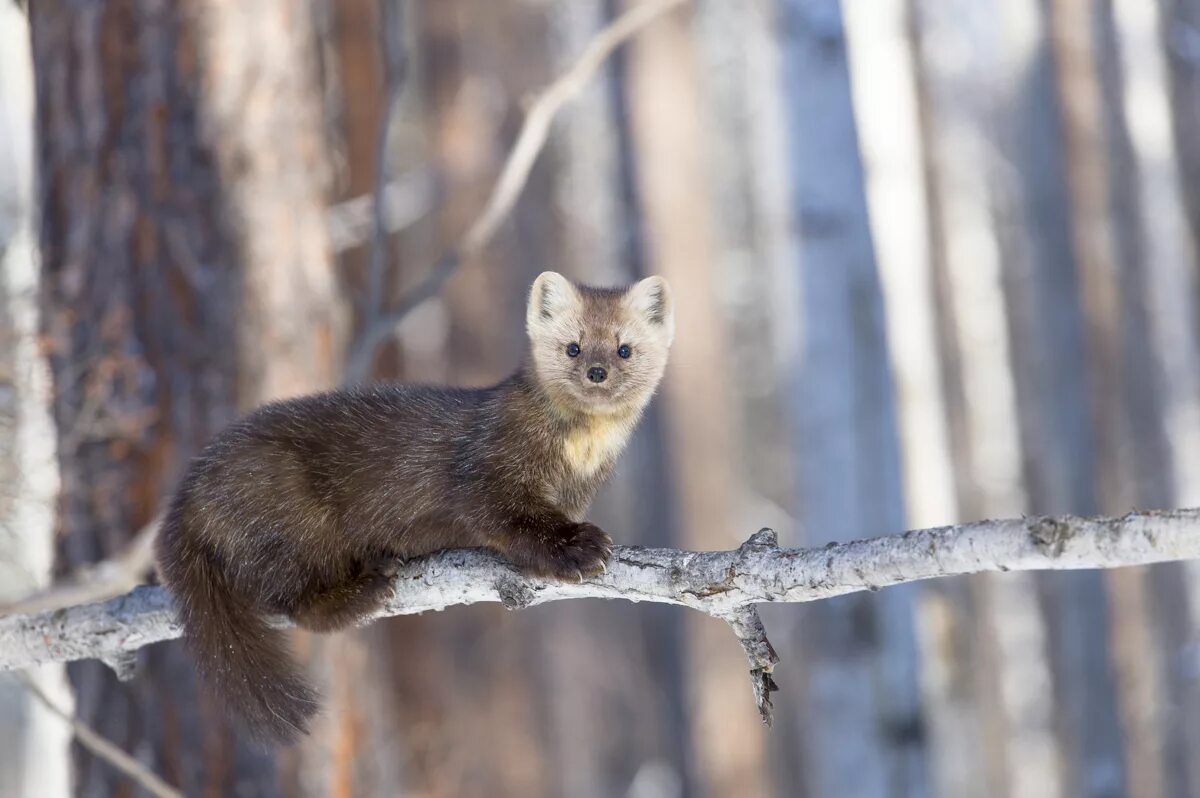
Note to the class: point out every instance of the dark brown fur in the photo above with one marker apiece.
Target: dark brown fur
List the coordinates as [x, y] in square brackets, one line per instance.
[305, 507]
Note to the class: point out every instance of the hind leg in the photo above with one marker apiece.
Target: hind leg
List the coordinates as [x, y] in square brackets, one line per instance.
[349, 601]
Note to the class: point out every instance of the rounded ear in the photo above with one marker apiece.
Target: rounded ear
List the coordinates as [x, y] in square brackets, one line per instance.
[550, 297]
[652, 299]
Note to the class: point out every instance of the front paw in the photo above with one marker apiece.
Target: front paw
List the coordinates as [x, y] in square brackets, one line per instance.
[575, 551]
[384, 566]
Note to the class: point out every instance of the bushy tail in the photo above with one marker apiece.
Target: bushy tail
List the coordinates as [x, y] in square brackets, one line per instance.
[239, 656]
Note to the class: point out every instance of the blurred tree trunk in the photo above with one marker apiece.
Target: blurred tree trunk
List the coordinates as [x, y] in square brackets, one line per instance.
[1166, 266]
[860, 652]
[743, 119]
[1034, 229]
[177, 223]
[727, 741]
[641, 690]
[1132, 467]
[743, 114]
[1179, 33]
[264, 111]
[139, 290]
[1013, 685]
[890, 115]
[34, 745]
[120, 207]
[587, 155]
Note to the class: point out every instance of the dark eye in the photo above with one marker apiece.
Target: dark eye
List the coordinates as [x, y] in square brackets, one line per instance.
[572, 350]
[624, 351]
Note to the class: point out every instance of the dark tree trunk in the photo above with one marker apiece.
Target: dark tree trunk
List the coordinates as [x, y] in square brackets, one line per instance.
[140, 284]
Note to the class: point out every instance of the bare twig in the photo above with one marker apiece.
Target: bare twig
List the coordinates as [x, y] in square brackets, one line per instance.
[404, 200]
[93, 741]
[546, 107]
[723, 584]
[391, 44]
[97, 582]
[529, 143]
[362, 353]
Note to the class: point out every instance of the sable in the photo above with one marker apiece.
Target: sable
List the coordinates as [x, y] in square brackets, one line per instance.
[307, 508]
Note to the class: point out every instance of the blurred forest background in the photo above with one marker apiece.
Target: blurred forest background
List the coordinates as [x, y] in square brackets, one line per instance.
[935, 260]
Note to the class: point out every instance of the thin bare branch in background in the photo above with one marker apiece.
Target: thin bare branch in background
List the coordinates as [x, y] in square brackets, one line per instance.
[97, 582]
[395, 67]
[405, 200]
[722, 584]
[529, 143]
[103, 748]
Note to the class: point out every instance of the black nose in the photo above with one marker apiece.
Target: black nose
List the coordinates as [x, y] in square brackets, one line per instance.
[597, 374]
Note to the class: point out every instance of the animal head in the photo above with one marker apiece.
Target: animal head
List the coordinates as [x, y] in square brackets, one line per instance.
[599, 350]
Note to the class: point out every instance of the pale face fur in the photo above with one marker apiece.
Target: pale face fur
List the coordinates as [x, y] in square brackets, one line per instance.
[599, 321]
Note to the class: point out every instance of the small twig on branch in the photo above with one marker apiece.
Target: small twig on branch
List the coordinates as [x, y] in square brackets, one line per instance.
[530, 141]
[748, 627]
[723, 584]
[93, 741]
[97, 582]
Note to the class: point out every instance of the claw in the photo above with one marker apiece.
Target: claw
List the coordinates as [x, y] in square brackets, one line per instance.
[603, 567]
[580, 574]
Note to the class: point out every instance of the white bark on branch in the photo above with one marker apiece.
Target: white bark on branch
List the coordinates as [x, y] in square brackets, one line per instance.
[723, 584]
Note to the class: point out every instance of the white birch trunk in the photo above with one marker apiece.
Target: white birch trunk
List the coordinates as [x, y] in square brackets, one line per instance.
[1033, 218]
[34, 745]
[587, 182]
[888, 115]
[861, 654]
[754, 259]
[744, 117]
[960, 51]
[1169, 267]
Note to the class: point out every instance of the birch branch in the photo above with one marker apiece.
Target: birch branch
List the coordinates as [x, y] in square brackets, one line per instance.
[723, 584]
